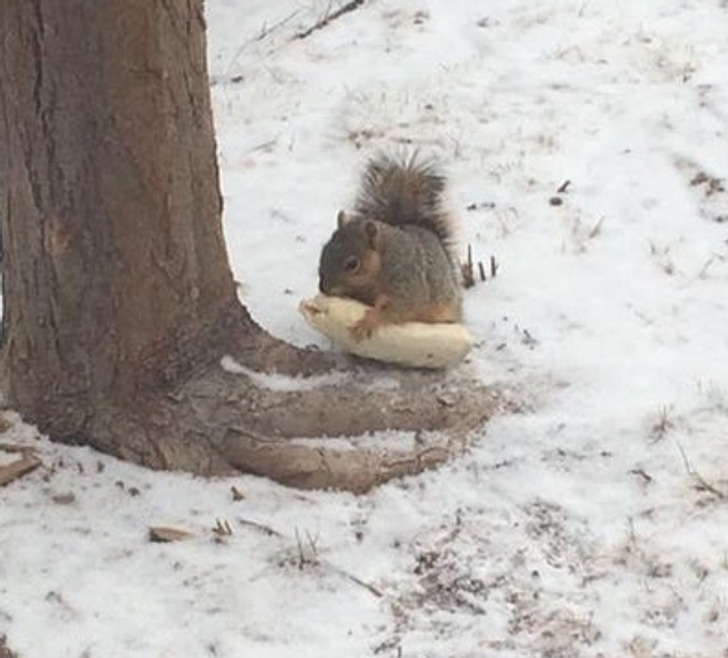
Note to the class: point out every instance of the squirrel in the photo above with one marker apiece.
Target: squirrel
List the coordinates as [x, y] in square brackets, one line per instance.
[395, 253]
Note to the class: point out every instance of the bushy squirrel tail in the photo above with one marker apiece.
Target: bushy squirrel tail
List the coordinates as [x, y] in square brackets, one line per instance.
[406, 190]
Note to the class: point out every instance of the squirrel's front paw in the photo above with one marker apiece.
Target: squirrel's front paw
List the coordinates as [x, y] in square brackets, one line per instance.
[366, 326]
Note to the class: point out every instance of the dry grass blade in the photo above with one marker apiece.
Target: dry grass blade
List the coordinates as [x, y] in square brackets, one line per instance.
[701, 484]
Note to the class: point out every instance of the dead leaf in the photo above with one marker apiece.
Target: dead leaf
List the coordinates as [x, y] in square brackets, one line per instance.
[166, 534]
[28, 462]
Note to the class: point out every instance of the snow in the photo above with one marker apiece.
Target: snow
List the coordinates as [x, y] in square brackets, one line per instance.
[591, 524]
[279, 382]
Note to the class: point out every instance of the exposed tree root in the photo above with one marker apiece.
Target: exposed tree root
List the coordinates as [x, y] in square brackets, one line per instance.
[258, 350]
[219, 423]
[120, 302]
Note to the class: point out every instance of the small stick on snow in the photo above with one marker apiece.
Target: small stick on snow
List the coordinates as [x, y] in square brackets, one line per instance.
[466, 269]
[597, 229]
[260, 526]
[481, 270]
[222, 528]
[164, 534]
[329, 17]
[646, 477]
[28, 462]
[354, 579]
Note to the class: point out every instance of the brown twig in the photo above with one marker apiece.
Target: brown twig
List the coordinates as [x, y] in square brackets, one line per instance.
[563, 187]
[222, 528]
[481, 270]
[354, 579]
[260, 526]
[646, 477]
[596, 229]
[328, 18]
[466, 269]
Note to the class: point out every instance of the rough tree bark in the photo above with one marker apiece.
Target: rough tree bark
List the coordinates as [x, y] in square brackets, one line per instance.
[118, 297]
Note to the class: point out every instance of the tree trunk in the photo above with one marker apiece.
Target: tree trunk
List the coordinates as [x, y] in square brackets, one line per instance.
[112, 200]
[118, 296]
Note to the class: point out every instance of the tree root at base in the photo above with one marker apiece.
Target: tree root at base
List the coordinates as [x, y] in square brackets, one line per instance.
[222, 424]
[377, 423]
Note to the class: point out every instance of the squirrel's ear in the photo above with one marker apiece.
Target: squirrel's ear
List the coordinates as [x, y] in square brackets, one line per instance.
[372, 232]
[342, 219]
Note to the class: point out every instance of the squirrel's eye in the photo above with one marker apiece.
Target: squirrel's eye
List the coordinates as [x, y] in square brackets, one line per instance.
[351, 264]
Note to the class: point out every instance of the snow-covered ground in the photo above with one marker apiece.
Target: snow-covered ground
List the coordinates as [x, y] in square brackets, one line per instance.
[594, 524]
